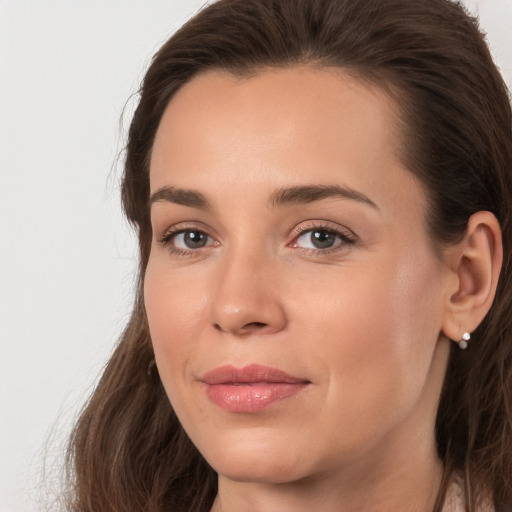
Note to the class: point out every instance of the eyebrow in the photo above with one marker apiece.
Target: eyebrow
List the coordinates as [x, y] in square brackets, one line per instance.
[287, 195]
[180, 196]
[310, 193]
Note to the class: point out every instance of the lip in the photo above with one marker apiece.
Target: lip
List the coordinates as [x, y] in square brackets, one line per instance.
[250, 389]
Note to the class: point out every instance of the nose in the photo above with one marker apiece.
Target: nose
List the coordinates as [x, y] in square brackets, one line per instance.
[247, 298]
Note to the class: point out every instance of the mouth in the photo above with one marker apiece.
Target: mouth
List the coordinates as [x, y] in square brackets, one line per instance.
[250, 389]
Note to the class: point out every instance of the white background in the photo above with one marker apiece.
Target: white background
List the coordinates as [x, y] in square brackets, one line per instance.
[67, 69]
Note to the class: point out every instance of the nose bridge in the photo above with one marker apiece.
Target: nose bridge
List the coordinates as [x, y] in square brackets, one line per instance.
[246, 298]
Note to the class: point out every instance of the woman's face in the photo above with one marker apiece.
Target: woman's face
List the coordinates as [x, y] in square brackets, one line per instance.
[293, 296]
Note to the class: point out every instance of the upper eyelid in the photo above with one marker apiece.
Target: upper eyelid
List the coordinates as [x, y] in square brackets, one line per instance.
[172, 232]
[186, 226]
[333, 227]
[342, 234]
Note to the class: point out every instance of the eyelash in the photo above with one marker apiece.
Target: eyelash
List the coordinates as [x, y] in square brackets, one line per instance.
[345, 236]
[173, 232]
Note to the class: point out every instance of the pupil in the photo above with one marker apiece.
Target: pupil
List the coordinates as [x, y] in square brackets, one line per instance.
[194, 239]
[322, 239]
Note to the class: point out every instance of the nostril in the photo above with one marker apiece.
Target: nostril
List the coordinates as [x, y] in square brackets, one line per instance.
[250, 326]
[254, 325]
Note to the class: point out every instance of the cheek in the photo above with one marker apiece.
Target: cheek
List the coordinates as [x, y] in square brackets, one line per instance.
[380, 306]
[176, 309]
[376, 335]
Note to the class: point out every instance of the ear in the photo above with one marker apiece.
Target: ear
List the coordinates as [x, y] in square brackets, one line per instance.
[475, 263]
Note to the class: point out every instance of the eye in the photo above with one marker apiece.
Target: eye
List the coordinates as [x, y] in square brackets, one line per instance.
[322, 239]
[187, 240]
[190, 240]
[318, 239]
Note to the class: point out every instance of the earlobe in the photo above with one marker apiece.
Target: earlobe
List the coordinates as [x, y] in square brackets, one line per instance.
[477, 264]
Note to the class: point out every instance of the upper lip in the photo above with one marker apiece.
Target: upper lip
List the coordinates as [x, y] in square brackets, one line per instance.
[252, 373]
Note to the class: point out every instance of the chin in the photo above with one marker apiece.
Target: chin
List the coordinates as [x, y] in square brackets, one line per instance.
[266, 471]
[251, 461]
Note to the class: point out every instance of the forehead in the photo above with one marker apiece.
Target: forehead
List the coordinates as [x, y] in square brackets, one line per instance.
[235, 106]
[299, 125]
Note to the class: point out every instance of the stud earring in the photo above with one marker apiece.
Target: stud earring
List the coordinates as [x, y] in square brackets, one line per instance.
[463, 342]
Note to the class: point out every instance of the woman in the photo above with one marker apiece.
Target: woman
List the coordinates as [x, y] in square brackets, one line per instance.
[322, 191]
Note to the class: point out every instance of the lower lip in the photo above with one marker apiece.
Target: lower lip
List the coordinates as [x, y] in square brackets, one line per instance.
[247, 398]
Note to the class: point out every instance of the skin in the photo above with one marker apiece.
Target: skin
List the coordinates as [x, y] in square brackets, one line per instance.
[362, 321]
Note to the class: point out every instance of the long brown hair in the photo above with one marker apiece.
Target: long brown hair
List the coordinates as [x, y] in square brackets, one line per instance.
[128, 451]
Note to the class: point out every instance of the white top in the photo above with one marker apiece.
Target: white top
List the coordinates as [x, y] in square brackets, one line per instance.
[454, 501]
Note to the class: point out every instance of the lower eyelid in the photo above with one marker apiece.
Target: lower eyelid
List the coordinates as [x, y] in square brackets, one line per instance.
[337, 245]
